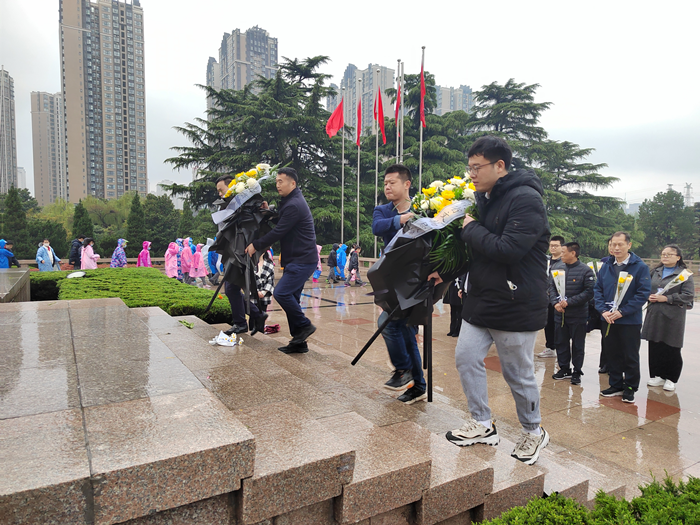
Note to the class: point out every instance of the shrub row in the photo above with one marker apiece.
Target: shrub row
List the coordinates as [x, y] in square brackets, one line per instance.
[660, 503]
[137, 287]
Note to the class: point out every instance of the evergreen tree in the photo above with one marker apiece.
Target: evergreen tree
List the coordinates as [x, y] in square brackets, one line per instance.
[666, 220]
[14, 224]
[29, 203]
[204, 227]
[136, 227]
[82, 224]
[161, 223]
[186, 226]
[40, 229]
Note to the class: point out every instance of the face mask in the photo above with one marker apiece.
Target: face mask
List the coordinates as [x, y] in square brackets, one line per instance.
[46, 244]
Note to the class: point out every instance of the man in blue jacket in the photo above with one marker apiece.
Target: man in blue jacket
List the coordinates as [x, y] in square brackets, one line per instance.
[399, 336]
[624, 320]
[297, 236]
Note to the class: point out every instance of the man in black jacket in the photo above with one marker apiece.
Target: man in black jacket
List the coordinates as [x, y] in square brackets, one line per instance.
[297, 236]
[571, 312]
[507, 300]
[75, 246]
[333, 262]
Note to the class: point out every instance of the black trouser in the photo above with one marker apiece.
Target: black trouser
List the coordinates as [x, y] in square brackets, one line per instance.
[235, 299]
[549, 336]
[455, 318]
[603, 362]
[331, 274]
[622, 348]
[571, 343]
[665, 361]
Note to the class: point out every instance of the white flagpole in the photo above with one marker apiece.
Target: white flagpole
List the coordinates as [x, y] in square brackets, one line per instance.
[376, 151]
[342, 174]
[359, 131]
[398, 81]
[420, 125]
[401, 109]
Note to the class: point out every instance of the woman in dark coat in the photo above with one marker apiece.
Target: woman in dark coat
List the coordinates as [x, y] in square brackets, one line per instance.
[664, 324]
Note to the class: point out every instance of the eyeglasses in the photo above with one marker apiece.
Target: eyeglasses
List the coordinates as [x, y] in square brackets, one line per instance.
[474, 170]
[663, 255]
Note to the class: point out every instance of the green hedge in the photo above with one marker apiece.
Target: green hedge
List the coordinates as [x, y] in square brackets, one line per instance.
[137, 287]
[662, 503]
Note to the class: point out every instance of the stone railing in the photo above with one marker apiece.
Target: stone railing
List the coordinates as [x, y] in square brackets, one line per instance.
[14, 285]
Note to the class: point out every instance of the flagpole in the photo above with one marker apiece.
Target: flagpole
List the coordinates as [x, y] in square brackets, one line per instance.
[420, 125]
[398, 103]
[342, 175]
[376, 154]
[403, 88]
[359, 131]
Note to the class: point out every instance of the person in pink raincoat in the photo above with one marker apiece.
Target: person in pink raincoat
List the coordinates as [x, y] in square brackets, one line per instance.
[186, 261]
[171, 260]
[145, 255]
[88, 258]
[199, 269]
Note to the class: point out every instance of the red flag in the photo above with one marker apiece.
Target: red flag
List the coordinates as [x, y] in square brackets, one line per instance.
[359, 121]
[422, 96]
[398, 103]
[337, 120]
[379, 113]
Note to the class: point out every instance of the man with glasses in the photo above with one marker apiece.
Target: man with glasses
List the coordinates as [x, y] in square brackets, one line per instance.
[622, 323]
[507, 300]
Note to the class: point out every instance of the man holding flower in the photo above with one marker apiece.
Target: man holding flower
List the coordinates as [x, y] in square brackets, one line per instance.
[621, 291]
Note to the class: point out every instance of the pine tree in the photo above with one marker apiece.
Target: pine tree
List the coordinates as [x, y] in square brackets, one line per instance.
[82, 224]
[161, 222]
[14, 225]
[136, 227]
[186, 226]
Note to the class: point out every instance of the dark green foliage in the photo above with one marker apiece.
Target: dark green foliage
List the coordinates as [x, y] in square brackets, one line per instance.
[14, 224]
[666, 220]
[136, 228]
[554, 510]
[29, 203]
[82, 223]
[186, 226]
[136, 287]
[39, 229]
[204, 227]
[161, 223]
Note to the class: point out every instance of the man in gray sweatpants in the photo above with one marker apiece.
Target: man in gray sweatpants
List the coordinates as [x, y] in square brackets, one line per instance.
[506, 303]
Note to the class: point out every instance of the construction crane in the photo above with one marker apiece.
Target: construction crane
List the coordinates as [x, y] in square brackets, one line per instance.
[688, 195]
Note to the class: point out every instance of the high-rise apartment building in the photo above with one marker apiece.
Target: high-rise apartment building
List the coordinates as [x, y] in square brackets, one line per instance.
[21, 177]
[104, 95]
[49, 143]
[8, 133]
[366, 90]
[453, 99]
[243, 57]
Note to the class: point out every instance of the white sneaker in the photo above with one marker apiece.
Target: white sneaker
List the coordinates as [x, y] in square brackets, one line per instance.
[656, 381]
[669, 386]
[473, 432]
[548, 352]
[529, 447]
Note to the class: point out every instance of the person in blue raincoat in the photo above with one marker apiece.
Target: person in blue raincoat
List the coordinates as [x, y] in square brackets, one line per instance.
[342, 259]
[180, 247]
[46, 258]
[119, 255]
[5, 255]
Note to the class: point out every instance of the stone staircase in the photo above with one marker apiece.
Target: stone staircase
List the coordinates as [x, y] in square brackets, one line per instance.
[164, 428]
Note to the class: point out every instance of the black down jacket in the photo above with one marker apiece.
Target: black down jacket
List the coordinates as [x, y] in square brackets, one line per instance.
[508, 274]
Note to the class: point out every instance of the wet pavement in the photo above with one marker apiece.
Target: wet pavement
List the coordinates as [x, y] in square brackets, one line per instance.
[657, 434]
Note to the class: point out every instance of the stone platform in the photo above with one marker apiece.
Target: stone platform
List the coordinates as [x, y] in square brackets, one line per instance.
[117, 415]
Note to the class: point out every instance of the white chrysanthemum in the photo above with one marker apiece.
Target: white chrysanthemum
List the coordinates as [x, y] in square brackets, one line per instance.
[252, 183]
[449, 187]
[424, 205]
[264, 168]
[437, 184]
[468, 194]
[435, 203]
[240, 187]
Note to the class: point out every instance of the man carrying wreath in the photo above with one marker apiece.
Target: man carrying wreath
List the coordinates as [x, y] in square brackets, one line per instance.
[622, 318]
[507, 300]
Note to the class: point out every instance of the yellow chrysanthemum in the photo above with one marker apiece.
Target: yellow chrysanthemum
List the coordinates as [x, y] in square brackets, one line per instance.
[232, 183]
[456, 177]
[621, 280]
[471, 186]
[429, 192]
[448, 194]
[252, 173]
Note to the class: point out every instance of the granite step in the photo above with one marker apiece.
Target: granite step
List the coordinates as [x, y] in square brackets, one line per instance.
[297, 462]
[389, 473]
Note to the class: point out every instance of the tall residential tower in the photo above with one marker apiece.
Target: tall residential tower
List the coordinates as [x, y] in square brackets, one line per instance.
[8, 134]
[49, 143]
[104, 96]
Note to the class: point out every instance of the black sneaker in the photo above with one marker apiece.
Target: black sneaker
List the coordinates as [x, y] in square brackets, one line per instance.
[562, 374]
[576, 378]
[400, 380]
[612, 392]
[237, 329]
[301, 348]
[412, 395]
[628, 395]
[603, 370]
[303, 334]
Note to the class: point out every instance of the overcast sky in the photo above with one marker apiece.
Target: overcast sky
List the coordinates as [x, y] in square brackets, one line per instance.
[623, 75]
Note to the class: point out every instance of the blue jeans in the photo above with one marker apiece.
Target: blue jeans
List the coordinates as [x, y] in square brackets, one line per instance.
[288, 294]
[400, 339]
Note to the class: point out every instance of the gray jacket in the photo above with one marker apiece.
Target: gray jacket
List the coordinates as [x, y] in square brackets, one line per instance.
[665, 322]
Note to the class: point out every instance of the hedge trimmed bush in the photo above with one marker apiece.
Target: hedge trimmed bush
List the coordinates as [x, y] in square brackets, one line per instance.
[660, 503]
[137, 287]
